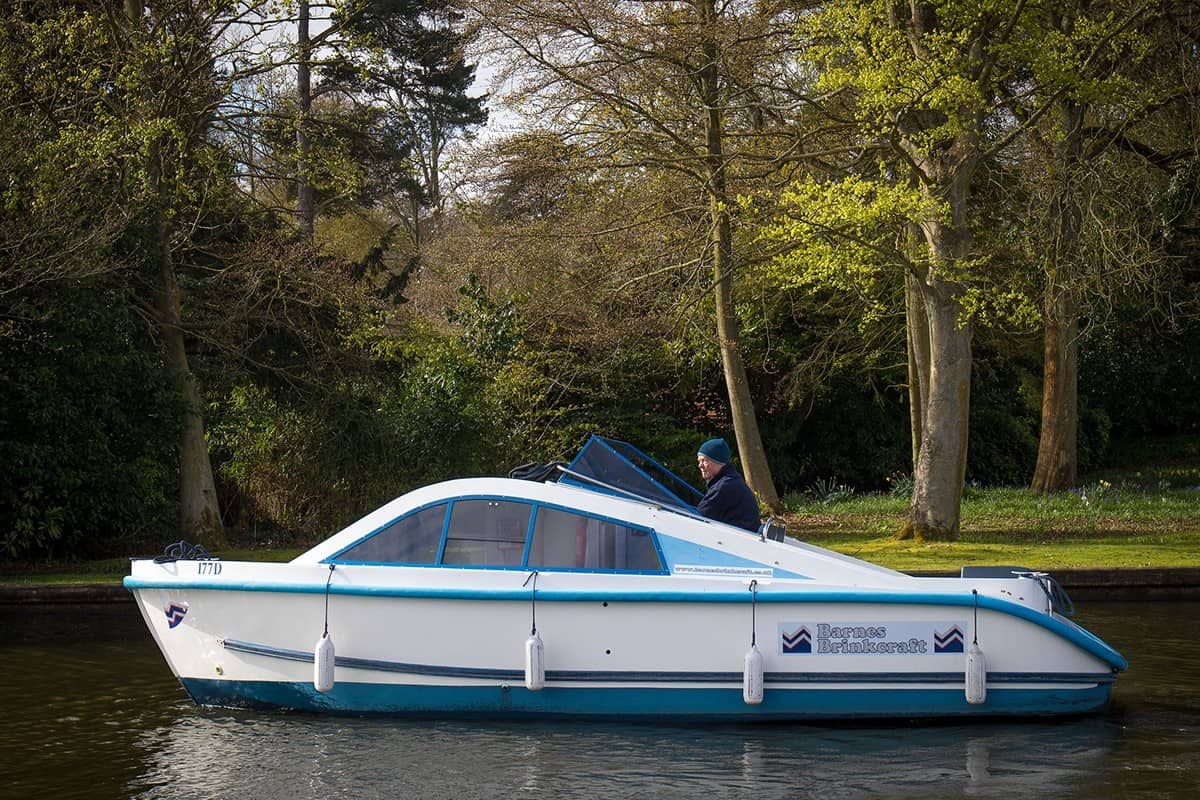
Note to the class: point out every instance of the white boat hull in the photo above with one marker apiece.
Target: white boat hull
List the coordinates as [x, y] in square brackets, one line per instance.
[617, 651]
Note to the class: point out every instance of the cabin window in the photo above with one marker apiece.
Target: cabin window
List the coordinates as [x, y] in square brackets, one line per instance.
[571, 541]
[487, 533]
[413, 539]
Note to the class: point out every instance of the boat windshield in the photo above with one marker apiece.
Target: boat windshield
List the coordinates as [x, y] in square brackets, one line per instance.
[617, 465]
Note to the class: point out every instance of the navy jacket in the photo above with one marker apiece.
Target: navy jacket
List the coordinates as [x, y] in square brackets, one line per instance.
[730, 500]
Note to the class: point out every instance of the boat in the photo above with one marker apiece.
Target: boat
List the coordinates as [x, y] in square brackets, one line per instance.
[595, 590]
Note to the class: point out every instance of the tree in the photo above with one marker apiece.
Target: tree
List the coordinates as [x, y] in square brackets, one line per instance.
[87, 424]
[1095, 71]
[408, 58]
[923, 85]
[921, 78]
[945, 97]
[123, 108]
[167, 104]
[695, 88]
[391, 95]
[600, 347]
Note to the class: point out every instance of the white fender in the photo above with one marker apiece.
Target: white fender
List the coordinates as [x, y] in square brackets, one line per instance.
[535, 663]
[323, 663]
[976, 675]
[752, 677]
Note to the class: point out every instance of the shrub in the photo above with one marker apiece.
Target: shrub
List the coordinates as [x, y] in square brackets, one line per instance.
[88, 431]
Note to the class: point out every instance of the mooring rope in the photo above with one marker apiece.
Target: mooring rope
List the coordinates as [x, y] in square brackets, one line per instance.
[532, 600]
[327, 582]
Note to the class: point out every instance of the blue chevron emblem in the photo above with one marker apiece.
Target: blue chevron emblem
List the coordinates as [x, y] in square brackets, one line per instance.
[175, 614]
[952, 641]
[798, 641]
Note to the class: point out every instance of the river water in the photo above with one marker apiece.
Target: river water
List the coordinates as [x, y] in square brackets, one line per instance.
[90, 710]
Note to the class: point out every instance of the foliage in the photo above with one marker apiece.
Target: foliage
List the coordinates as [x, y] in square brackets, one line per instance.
[827, 491]
[900, 485]
[1004, 409]
[843, 234]
[427, 405]
[87, 430]
[405, 61]
[846, 429]
[1144, 379]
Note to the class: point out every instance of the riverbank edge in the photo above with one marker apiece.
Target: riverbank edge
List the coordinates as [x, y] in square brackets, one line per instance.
[1111, 584]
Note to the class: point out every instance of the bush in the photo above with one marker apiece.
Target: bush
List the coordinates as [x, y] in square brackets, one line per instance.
[1002, 450]
[88, 432]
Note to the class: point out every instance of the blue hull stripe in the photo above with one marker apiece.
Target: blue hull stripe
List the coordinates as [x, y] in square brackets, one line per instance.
[650, 704]
[1072, 633]
[606, 676]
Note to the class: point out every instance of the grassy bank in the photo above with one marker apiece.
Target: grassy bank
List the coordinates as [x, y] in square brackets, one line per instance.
[1140, 517]
[1132, 517]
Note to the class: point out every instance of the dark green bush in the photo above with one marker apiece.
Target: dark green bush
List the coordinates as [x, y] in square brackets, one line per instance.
[88, 431]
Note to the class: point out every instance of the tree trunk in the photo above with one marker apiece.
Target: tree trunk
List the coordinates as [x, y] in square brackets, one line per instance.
[199, 511]
[414, 205]
[741, 404]
[936, 503]
[433, 181]
[917, 325]
[942, 461]
[1057, 462]
[1058, 453]
[305, 210]
[200, 514]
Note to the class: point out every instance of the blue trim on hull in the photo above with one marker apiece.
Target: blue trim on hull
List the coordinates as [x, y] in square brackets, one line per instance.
[643, 676]
[651, 704]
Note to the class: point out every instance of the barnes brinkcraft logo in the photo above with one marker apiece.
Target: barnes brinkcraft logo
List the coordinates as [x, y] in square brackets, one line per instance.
[874, 638]
[949, 642]
[799, 641]
[175, 613]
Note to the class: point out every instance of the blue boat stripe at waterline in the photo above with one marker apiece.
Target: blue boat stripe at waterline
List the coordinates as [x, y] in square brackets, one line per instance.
[631, 676]
[1072, 633]
[653, 703]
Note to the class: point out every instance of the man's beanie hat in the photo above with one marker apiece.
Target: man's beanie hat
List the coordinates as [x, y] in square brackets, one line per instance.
[716, 450]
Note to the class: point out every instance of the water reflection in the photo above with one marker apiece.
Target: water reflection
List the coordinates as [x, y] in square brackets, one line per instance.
[207, 754]
[93, 712]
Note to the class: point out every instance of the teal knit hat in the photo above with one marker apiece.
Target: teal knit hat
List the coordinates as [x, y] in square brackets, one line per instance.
[716, 450]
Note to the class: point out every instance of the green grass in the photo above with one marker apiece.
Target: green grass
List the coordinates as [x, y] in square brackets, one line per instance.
[1147, 517]
[1179, 549]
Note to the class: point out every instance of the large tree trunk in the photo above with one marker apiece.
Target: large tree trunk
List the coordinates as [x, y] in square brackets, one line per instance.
[741, 404]
[1058, 454]
[936, 504]
[942, 460]
[199, 511]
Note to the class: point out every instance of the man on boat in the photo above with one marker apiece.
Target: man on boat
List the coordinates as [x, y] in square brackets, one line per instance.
[728, 498]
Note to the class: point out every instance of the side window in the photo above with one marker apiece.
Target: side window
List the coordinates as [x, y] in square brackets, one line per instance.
[413, 539]
[487, 533]
[567, 540]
